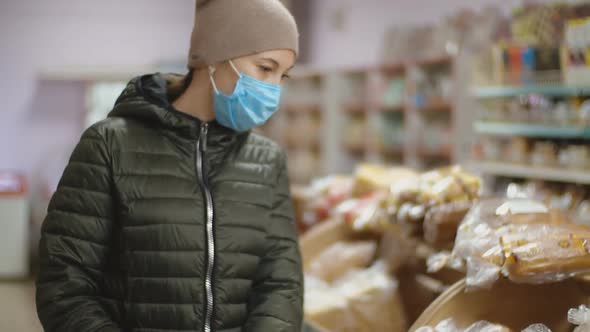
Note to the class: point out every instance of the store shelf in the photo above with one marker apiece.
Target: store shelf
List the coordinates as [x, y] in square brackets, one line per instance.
[532, 172]
[302, 108]
[442, 153]
[300, 144]
[394, 68]
[435, 61]
[355, 108]
[546, 90]
[530, 130]
[391, 151]
[355, 148]
[437, 106]
[390, 109]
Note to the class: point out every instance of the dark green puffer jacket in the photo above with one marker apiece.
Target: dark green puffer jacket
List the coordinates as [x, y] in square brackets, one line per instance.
[153, 208]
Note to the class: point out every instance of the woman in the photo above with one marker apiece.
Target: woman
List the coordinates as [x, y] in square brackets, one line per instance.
[171, 215]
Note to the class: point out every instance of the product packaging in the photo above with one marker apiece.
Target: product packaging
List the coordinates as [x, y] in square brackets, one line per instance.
[342, 257]
[581, 317]
[523, 240]
[362, 301]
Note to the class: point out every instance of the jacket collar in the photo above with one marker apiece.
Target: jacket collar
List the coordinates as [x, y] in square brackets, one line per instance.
[148, 99]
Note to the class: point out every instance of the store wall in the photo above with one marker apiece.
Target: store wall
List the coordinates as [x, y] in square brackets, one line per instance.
[38, 117]
[349, 33]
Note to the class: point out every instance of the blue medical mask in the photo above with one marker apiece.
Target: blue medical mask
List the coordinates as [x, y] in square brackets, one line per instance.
[251, 104]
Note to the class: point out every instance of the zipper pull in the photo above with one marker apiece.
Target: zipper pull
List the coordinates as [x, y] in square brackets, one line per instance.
[203, 136]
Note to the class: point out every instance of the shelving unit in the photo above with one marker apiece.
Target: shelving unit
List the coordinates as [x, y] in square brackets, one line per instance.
[397, 114]
[530, 130]
[438, 106]
[560, 135]
[431, 91]
[389, 113]
[531, 172]
[379, 114]
[443, 152]
[298, 125]
[545, 90]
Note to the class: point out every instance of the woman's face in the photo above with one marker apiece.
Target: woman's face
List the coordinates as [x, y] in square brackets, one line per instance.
[269, 66]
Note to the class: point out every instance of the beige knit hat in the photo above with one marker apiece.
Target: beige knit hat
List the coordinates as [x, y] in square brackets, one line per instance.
[227, 29]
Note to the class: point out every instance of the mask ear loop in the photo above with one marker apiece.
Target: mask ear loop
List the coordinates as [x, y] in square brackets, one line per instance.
[211, 72]
[234, 67]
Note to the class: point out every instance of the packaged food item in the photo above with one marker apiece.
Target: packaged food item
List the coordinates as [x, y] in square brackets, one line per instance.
[342, 257]
[583, 213]
[537, 328]
[522, 239]
[483, 326]
[364, 214]
[488, 148]
[544, 154]
[441, 223]
[546, 257]
[410, 200]
[364, 300]
[574, 157]
[326, 307]
[447, 185]
[374, 299]
[444, 259]
[517, 150]
[396, 248]
[316, 202]
[321, 237]
[369, 178]
[299, 206]
[580, 316]
[449, 325]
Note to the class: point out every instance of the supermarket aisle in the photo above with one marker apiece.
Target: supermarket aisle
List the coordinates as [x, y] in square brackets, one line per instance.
[17, 307]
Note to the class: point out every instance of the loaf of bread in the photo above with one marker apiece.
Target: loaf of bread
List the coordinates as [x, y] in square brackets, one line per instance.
[555, 255]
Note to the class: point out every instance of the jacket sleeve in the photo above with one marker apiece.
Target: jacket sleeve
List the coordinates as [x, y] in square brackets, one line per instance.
[277, 301]
[75, 244]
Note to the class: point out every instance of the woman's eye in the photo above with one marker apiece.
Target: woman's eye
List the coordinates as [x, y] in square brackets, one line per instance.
[265, 69]
[286, 77]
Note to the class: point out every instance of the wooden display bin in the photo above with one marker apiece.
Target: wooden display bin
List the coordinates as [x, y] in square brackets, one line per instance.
[515, 306]
[377, 307]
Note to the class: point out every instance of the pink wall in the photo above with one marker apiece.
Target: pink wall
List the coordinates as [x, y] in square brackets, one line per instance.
[37, 117]
[365, 22]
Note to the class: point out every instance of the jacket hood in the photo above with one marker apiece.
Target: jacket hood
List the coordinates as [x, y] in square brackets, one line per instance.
[148, 99]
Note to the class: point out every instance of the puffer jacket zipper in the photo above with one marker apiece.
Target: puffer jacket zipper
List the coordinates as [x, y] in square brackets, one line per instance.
[210, 261]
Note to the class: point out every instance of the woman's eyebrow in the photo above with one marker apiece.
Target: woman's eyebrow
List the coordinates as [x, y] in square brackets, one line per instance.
[274, 62]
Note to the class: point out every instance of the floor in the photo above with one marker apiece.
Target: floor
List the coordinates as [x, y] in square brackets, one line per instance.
[17, 307]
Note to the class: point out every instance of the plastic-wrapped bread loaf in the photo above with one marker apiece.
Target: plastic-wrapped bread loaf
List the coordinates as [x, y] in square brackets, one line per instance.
[448, 325]
[553, 257]
[523, 240]
[342, 257]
